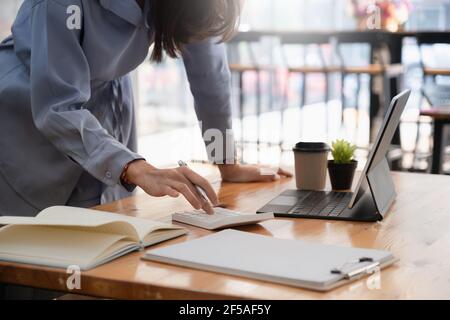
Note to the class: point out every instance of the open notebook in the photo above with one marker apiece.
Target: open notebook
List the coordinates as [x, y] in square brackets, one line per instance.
[64, 236]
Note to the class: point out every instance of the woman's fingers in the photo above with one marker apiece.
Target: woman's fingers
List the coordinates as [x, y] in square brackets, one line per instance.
[269, 178]
[268, 174]
[171, 192]
[198, 180]
[194, 198]
[284, 173]
[206, 205]
[187, 193]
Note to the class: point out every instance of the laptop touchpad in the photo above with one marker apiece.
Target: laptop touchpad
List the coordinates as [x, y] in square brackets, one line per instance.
[284, 201]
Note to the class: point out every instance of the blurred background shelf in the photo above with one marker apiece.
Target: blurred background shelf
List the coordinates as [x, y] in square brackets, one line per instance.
[306, 70]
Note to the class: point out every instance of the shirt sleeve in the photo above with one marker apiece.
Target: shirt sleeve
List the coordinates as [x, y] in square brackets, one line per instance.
[60, 86]
[210, 81]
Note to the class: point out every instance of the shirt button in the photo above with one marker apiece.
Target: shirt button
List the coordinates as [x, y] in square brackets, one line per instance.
[108, 174]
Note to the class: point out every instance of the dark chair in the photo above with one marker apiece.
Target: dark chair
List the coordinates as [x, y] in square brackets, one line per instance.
[380, 68]
[434, 93]
[438, 97]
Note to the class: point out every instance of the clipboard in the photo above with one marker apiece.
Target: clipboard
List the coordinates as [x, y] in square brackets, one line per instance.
[290, 262]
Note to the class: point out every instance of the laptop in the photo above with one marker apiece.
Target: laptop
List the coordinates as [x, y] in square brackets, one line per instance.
[371, 199]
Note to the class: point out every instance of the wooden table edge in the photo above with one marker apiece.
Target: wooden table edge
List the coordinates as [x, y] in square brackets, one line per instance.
[105, 288]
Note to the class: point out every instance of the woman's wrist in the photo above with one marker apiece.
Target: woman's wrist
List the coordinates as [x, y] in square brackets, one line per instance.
[227, 170]
[133, 171]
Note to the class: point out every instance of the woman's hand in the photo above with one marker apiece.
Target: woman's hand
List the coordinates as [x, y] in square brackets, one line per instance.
[172, 182]
[250, 173]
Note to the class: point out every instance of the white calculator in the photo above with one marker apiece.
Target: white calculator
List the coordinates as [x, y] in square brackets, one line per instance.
[222, 218]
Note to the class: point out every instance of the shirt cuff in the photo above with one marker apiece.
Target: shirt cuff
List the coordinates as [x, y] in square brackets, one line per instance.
[107, 162]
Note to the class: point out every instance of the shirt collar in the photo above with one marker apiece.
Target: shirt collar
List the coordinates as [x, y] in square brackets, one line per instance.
[128, 10]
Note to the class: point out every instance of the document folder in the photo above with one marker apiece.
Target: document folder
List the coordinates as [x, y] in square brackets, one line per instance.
[290, 262]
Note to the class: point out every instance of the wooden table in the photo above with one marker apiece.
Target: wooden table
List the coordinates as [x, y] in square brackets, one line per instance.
[441, 118]
[417, 231]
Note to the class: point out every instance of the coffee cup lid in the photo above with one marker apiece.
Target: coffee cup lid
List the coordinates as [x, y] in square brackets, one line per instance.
[311, 147]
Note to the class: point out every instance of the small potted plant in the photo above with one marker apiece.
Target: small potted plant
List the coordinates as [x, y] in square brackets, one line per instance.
[343, 166]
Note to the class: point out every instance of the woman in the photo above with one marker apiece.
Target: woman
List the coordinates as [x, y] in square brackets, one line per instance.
[67, 133]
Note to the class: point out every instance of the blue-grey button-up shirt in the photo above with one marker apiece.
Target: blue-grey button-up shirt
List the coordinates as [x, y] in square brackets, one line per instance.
[66, 103]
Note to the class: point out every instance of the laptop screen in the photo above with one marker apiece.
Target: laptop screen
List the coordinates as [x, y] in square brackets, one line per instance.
[382, 142]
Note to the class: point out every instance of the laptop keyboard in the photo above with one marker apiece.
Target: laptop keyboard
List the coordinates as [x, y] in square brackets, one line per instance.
[316, 203]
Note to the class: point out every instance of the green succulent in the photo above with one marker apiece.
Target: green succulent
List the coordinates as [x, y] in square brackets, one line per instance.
[343, 151]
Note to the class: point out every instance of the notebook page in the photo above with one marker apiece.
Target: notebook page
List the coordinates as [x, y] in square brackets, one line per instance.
[88, 216]
[54, 246]
[79, 217]
[73, 222]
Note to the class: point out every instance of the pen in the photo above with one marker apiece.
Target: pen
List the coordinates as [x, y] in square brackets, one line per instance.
[200, 190]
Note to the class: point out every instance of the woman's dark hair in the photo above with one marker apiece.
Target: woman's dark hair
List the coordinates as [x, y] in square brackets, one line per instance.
[178, 22]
